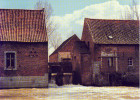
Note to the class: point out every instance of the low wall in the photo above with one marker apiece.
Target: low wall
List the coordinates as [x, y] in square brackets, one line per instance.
[24, 81]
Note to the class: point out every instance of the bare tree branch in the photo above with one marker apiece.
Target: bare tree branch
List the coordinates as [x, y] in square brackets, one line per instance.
[135, 9]
[54, 38]
[48, 13]
[55, 41]
[132, 13]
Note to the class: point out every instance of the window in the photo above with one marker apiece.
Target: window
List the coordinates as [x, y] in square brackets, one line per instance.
[130, 61]
[10, 60]
[110, 62]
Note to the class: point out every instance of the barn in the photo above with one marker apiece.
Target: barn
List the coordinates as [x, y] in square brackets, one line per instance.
[61, 60]
[23, 48]
[112, 52]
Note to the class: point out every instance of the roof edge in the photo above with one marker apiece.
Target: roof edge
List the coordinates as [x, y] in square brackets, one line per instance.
[110, 19]
[65, 43]
[23, 9]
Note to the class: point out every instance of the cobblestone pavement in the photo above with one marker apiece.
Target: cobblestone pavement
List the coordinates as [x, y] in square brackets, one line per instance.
[71, 92]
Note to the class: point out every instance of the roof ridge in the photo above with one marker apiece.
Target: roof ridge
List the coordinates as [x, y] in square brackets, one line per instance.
[110, 19]
[22, 9]
[63, 44]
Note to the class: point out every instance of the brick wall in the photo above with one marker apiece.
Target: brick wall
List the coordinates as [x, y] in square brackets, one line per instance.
[82, 63]
[53, 58]
[76, 59]
[123, 53]
[32, 59]
[68, 47]
[86, 72]
[76, 65]
[24, 81]
[120, 61]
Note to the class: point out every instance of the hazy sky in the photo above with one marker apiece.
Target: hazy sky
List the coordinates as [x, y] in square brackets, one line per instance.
[70, 14]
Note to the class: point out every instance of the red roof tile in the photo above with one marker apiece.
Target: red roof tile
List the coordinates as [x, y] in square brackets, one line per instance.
[20, 25]
[112, 31]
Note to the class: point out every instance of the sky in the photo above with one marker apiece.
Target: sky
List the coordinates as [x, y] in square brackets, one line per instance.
[69, 14]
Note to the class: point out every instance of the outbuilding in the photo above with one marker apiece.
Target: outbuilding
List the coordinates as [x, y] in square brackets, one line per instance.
[113, 52]
[23, 48]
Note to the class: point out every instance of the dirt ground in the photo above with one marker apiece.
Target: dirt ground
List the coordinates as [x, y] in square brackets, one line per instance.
[71, 92]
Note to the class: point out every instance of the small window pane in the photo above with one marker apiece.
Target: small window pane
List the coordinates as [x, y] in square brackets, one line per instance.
[7, 60]
[8, 56]
[10, 60]
[130, 61]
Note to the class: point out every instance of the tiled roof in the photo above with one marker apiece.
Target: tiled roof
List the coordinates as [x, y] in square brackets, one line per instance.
[21, 25]
[112, 31]
[63, 44]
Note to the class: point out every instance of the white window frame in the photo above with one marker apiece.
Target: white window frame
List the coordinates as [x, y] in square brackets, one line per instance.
[130, 59]
[15, 61]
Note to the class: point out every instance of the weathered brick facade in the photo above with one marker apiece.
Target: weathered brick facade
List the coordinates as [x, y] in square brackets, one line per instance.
[31, 59]
[53, 58]
[123, 52]
[81, 63]
[23, 49]
[66, 46]
[64, 55]
[113, 50]
[120, 57]
[31, 65]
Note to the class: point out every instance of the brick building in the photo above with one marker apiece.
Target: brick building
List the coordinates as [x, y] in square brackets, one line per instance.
[113, 48]
[64, 51]
[81, 62]
[61, 59]
[23, 48]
